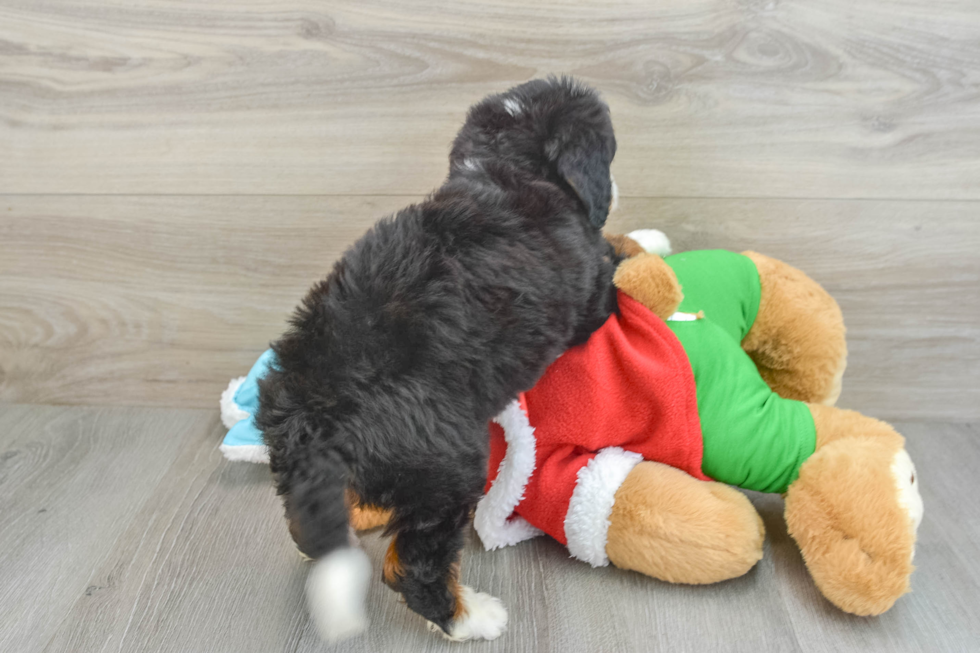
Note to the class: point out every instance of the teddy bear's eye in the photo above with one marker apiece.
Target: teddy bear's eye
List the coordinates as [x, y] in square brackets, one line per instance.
[913, 478]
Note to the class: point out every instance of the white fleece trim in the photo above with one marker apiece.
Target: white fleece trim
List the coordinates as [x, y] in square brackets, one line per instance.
[587, 521]
[231, 414]
[493, 521]
[249, 453]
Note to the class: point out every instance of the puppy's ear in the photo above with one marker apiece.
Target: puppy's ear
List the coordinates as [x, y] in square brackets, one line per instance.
[584, 165]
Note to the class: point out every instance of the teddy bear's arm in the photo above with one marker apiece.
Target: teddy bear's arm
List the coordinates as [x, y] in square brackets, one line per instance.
[650, 281]
[674, 527]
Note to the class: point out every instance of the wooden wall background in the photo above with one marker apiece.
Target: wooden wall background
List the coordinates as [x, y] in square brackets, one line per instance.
[174, 175]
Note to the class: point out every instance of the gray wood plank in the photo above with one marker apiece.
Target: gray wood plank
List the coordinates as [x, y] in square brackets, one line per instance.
[160, 300]
[71, 480]
[206, 565]
[712, 98]
[156, 301]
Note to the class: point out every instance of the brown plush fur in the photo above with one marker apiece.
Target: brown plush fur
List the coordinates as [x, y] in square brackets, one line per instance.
[836, 423]
[650, 281]
[844, 514]
[797, 340]
[669, 525]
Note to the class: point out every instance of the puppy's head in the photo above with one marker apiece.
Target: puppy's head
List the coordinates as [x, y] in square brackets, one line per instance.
[555, 128]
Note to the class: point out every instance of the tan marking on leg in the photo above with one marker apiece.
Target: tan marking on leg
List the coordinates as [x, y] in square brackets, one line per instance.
[364, 517]
[393, 569]
[456, 590]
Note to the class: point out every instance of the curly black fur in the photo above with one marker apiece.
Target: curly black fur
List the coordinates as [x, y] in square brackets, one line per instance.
[433, 321]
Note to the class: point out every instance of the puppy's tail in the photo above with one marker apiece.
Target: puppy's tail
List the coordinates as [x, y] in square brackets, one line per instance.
[336, 592]
[336, 589]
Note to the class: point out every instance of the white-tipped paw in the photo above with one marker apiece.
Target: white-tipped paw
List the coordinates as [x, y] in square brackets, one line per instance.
[485, 617]
[653, 241]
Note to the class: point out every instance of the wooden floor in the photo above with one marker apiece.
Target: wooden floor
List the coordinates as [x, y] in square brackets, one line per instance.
[174, 175]
[123, 529]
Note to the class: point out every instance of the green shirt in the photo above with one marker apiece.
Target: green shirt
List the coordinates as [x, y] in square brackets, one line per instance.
[753, 438]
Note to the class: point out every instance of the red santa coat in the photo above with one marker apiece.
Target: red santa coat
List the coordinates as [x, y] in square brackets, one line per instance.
[560, 452]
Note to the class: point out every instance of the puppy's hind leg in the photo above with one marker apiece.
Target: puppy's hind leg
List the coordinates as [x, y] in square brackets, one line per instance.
[422, 564]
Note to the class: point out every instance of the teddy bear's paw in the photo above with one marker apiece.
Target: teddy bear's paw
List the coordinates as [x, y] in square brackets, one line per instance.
[653, 241]
[853, 510]
[484, 617]
[907, 483]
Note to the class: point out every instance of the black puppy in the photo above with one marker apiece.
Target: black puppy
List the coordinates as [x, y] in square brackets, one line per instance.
[427, 328]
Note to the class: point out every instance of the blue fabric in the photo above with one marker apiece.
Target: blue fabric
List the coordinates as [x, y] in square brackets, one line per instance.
[247, 398]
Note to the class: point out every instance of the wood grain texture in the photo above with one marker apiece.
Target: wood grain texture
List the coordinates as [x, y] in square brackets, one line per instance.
[206, 565]
[161, 300]
[71, 481]
[154, 300]
[152, 542]
[711, 98]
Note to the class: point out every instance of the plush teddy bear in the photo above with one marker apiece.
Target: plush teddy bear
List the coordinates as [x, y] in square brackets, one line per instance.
[719, 369]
